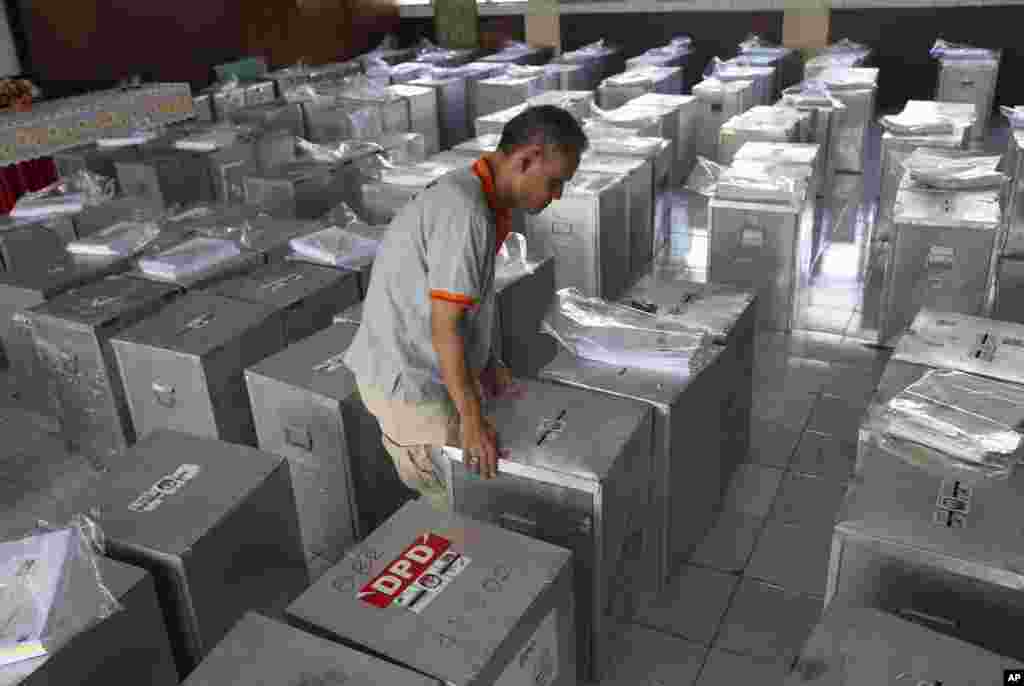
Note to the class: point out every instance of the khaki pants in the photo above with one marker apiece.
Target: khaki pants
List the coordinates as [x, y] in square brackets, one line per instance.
[413, 435]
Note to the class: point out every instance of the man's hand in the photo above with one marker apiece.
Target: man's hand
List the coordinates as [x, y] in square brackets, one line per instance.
[497, 381]
[480, 446]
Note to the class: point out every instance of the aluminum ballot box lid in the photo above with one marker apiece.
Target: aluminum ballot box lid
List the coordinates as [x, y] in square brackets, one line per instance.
[862, 646]
[259, 650]
[467, 603]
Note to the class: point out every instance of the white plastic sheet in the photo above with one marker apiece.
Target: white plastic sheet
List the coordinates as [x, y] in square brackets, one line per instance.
[943, 50]
[213, 138]
[746, 180]
[336, 247]
[123, 239]
[954, 419]
[954, 173]
[65, 196]
[1015, 115]
[622, 336]
[51, 590]
[190, 258]
[905, 124]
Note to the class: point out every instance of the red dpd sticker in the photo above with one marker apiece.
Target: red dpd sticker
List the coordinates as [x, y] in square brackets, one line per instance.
[404, 570]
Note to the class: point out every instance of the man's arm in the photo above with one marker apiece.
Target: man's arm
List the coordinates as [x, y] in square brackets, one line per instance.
[478, 437]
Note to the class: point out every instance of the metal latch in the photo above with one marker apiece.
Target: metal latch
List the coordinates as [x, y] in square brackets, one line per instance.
[551, 428]
[927, 618]
[561, 227]
[330, 365]
[751, 237]
[299, 436]
[278, 284]
[940, 257]
[68, 362]
[197, 323]
[164, 394]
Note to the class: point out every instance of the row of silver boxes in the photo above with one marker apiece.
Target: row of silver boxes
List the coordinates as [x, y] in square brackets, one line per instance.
[972, 80]
[1010, 292]
[918, 538]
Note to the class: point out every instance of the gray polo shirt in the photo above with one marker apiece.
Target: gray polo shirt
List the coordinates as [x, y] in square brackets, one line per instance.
[441, 245]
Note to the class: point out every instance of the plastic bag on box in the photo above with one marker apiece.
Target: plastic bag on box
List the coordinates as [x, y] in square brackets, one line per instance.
[954, 173]
[624, 117]
[390, 42]
[340, 215]
[845, 45]
[336, 247]
[910, 125]
[361, 86]
[122, 239]
[345, 150]
[1015, 115]
[51, 589]
[681, 42]
[944, 50]
[812, 93]
[704, 177]
[955, 419]
[136, 137]
[614, 334]
[192, 257]
[215, 137]
[512, 261]
[65, 196]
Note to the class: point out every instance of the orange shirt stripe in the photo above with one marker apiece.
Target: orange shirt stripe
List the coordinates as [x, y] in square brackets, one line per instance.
[502, 215]
[457, 298]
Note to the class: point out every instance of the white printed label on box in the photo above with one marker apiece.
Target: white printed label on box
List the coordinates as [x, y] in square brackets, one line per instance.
[537, 663]
[417, 577]
[155, 495]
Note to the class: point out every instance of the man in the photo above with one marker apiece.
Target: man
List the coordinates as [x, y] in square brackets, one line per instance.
[424, 342]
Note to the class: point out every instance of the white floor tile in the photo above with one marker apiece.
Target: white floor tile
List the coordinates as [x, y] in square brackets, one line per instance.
[693, 604]
[824, 456]
[723, 668]
[653, 658]
[767, 621]
[729, 544]
[772, 444]
[793, 556]
[808, 498]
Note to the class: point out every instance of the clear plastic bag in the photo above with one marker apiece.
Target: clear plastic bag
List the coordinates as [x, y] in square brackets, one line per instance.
[65, 196]
[512, 261]
[1015, 115]
[704, 177]
[745, 180]
[845, 45]
[811, 93]
[954, 173]
[130, 138]
[623, 118]
[962, 420]
[905, 124]
[337, 247]
[51, 589]
[944, 50]
[190, 258]
[341, 152]
[215, 137]
[340, 215]
[618, 335]
[122, 239]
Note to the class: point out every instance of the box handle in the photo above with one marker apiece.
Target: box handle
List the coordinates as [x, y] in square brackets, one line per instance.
[299, 436]
[164, 394]
[519, 524]
[940, 257]
[925, 617]
[967, 82]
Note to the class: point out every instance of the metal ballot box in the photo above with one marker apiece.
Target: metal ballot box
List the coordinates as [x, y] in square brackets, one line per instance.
[72, 336]
[1015, 205]
[307, 296]
[729, 315]
[307, 407]
[688, 411]
[460, 601]
[944, 254]
[224, 166]
[659, 151]
[493, 124]
[93, 158]
[215, 524]
[131, 644]
[476, 73]
[382, 198]
[578, 475]
[941, 549]
[394, 110]
[280, 115]
[261, 650]
[576, 103]
[1009, 304]
[165, 178]
[617, 90]
[860, 646]
[763, 80]
[825, 123]
[628, 121]
[976, 345]
[29, 244]
[423, 119]
[25, 288]
[183, 368]
[768, 126]
[763, 247]
[971, 81]
[299, 190]
[800, 160]
[570, 77]
[686, 107]
[329, 120]
[521, 53]
[452, 107]
[638, 176]
[507, 90]
[856, 89]
[92, 218]
[584, 231]
[719, 102]
[522, 303]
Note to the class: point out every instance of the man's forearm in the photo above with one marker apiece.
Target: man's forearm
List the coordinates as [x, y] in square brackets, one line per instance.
[451, 353]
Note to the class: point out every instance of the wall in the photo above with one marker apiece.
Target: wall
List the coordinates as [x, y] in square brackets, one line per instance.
[76, 45]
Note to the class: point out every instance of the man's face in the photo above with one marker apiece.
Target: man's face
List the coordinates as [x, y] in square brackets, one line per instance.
[542, 172]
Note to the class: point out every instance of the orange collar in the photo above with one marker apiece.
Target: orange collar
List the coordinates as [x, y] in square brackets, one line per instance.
[502, 215]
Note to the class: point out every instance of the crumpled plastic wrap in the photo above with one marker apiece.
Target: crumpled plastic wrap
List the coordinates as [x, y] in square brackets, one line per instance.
[944, 50]
[710, 307]
[362, 86]
[189, 259]
[811, 93]
[745, 180]
[122, 239]
[624, 118]
[954, 173]
[340, 152]
[130, 138]
[755, 42]
[65, 196]
[1015, 115]
[216, 137]
[51, 589]
[512, 261]
[614, 334]
[340, 215]
[338, 247]
[904, 124]
[955, 420]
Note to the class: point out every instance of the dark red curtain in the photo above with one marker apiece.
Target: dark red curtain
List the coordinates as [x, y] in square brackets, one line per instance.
[18, 179]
